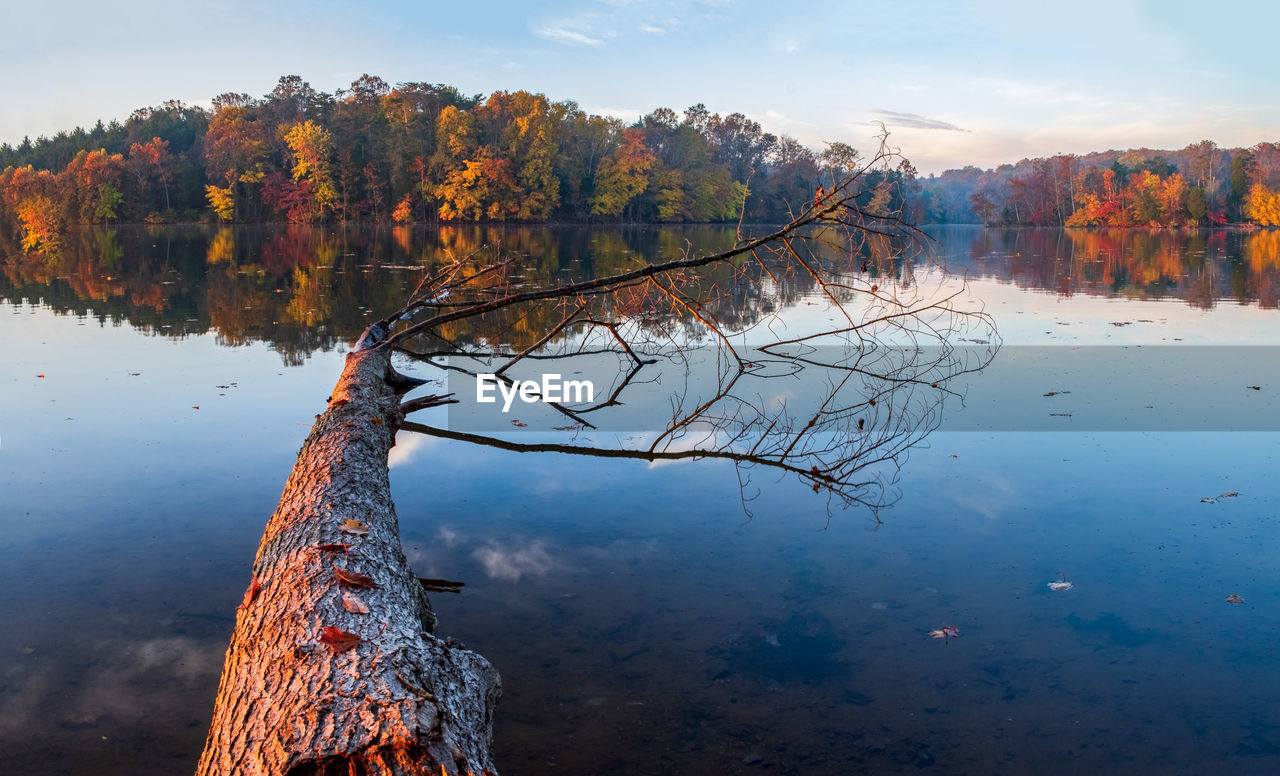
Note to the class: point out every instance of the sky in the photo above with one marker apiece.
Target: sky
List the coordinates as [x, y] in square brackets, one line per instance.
[955, 82]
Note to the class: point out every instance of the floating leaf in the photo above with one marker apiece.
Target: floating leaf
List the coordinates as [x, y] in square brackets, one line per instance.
[354, 527]
[947, 632]
[565, 428]
[40, 375]
[251, 595]
[1060, 586]
[353, 604]
[1234, 599]
[1251, 387]
[1208, 500]
[1230, 494]
[355, 578]
[339, 640]
[518, 424]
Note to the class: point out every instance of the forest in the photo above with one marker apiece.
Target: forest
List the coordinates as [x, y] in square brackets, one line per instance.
[426, 153]
[417, 152]
[1200, 185]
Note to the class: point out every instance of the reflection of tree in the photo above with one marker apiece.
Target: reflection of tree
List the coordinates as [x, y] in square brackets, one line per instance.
[1199, 267]
[873, 382]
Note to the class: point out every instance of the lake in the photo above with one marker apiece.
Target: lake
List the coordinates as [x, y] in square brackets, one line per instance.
[657, 617]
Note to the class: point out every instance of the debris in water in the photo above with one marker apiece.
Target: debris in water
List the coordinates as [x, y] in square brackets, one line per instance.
[1062, 584]
[947, 632]
[1234, 599]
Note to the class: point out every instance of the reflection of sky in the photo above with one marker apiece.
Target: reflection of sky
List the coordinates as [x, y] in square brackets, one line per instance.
[130, 529]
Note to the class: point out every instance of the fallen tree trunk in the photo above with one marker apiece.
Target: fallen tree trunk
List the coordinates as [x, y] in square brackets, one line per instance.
[334, 667]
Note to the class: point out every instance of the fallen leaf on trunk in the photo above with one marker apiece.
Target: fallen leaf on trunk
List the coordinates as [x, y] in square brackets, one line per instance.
[333, 548]
[354, 527]
[251, 595]
[339, 640]
[376, 420]
[355, 578]
[353, 604]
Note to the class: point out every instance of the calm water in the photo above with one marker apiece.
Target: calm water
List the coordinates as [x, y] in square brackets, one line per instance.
[158, 384]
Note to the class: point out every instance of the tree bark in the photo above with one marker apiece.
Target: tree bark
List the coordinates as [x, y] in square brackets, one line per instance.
[298, 697]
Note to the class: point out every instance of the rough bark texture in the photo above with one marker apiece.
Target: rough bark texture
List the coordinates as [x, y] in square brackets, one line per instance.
[401, 701]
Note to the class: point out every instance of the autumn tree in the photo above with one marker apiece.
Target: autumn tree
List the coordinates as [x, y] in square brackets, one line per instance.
[623, 175]
[314, 195]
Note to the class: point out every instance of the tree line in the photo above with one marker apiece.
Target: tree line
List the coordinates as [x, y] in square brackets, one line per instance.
[1199, 185]
[416, 152]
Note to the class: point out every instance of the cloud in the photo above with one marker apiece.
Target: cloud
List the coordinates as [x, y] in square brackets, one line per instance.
[652, 30]
[916, 121]
[572, 32]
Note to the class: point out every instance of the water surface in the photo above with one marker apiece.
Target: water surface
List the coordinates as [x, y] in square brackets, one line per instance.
[645, 620]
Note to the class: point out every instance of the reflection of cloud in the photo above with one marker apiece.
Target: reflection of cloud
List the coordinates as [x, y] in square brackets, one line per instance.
[131, 682]
[512, 563]
[916, 121]
[448, 536]
[408, 444]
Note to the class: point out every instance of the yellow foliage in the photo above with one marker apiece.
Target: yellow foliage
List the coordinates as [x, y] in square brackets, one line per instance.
[1262, 205]
[221, 201]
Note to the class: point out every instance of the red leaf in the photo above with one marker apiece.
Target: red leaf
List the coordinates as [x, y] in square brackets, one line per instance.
[339, 640]
[333, 547]
[376, 420]
[355, 578]
[251, 595]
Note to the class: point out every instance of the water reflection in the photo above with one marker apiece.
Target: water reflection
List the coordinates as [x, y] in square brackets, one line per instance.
[303, 289]
[1198, 267]
[632, 609]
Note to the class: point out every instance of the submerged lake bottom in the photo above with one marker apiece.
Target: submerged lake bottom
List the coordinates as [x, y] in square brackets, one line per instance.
[706, 641]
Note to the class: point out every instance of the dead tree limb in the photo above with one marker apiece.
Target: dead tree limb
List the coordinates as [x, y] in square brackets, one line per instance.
[334, 666]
